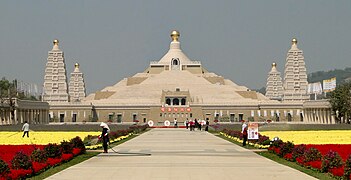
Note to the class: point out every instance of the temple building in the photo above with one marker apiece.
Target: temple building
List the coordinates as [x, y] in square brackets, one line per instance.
[176, 86]
[295, 75]
[76, 87]
[274, 87]
[55, 79]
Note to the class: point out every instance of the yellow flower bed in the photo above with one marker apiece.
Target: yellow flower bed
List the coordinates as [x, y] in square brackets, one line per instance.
[40, 137]
[312, 137]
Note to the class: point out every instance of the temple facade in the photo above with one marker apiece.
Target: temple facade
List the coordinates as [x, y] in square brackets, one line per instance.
[76, 87]
[55, 79]
[274, 86]
[176, 87]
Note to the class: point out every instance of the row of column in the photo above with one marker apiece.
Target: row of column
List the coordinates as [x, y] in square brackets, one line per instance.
[32, 116]
[319, 116]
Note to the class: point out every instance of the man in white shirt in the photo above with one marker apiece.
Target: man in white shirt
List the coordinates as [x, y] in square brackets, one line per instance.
[25, 129]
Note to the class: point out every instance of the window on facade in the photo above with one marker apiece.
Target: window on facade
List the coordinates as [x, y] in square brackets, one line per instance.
[183, 101]
[175, 101]
[168, 101]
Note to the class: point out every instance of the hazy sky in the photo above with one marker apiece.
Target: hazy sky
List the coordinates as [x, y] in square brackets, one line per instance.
[115, 39]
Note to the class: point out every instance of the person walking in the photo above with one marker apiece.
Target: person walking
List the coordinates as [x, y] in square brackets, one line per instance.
[244, 132]
[207, 124]
[104, 135]
[175, 122]
[25, 129]
[187, 123]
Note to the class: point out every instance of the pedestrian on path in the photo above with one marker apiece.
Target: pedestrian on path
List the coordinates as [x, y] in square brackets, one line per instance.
[104, 135]
[187, 123]
[175, 122]
[25, 129]
[244, 132]
[207, 124]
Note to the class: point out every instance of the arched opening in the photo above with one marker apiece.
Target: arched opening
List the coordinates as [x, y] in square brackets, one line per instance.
[175, 62]
[289, 117]
[175, 101]
[183, 101]
[168, 101]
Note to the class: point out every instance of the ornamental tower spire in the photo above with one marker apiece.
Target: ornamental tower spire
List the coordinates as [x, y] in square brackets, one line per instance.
[295, 75]
[55, 80]
[274, 86]
[76, 85]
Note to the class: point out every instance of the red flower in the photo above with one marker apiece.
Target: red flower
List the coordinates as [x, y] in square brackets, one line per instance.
[19, 173]
[337, 171]
[54, 161]
[67, 157]
[76, 151]
[289, 157]
[37, 167]
[314, 164]
[300, 160]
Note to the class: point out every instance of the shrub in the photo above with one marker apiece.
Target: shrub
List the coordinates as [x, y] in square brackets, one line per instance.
[78, 143]
[38, 156]
[312, 154]
[347, 170]
[298, 151]
[331, 160]
[286, 148]
[21, 161]
[52, 150]
[4, 168]
[277, 143]
[66, 147]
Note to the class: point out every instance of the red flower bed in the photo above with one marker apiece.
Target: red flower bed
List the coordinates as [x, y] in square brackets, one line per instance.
[22, 161]
[8, 151]
[344, 150]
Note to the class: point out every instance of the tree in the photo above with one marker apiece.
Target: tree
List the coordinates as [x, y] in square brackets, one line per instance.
[340, 100]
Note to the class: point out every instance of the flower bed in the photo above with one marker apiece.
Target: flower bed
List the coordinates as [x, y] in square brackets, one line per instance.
[330, 158]
[262, 142]
[312, 137]
[22, 161]
[40, 137]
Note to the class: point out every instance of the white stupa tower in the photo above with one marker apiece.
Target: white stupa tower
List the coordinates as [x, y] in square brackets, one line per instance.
[55, 79]
[274, 86]
[76, 85]
[295, 75]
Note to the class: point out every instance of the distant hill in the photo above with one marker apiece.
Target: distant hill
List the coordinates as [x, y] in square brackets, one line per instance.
[341, 77]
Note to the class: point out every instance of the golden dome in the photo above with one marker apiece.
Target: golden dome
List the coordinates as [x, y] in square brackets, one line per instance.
[274, 64]
[76, 65]
[294, 41]
[175, 35]
[56, 41]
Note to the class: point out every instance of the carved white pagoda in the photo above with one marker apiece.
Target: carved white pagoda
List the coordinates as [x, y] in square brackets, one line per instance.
[295, 75]
[274, 86]
[55, 79]
[76, 85]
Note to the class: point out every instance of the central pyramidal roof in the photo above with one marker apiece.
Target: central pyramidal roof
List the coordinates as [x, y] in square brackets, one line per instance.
[175, 72]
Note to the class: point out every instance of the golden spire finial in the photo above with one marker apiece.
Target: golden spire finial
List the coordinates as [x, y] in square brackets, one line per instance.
[294, 41]
[274, 64]
[76, 65]
[56, 41]
[175, 35]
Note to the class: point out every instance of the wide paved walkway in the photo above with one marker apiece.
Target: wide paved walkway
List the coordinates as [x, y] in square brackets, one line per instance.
[179, 154]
